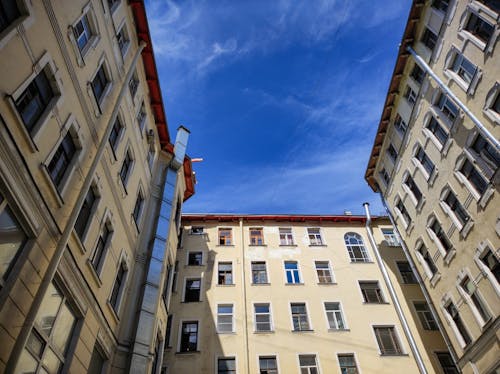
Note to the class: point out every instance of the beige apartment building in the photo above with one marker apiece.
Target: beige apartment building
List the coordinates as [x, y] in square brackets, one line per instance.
[91, 189]
[297, 294]
[435, 163]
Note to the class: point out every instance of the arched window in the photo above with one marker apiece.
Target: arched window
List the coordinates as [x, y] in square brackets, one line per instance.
[356, 247]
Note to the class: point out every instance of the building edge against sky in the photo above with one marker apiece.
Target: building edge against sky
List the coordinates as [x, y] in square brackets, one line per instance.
[435, 163]
[91, 189]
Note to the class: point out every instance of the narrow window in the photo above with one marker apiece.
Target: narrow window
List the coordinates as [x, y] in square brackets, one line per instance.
[59, 165]
[139, 205]
[113, 4]
[438, 131]
[268, 365]
[141, 116]
[390, 237]
[385, 176]
[356, 247]
[446, 363]
[286, 236]
[387, 341]
[97, 360]
[299, 317]
[100, 83]
[195, 258]
[429, 39]
[225, 318]
[404, 212]
[425, 161]
[371, 292]
[490, 260]
[477, 301]
[447, 107]
[115, 299]
[486, 154]
[479, 28]
[417, 74]
[174, 276]
[400, 125]
[412, 186]
[347, 364]
[308, 364]
[226, 365]
[9, 12]
[429, 262]
[83, 33]
[478, 182]
[225, 273]
[406, 273]
[197, 230]
[256, 236]
[457, 320]
[441, 236]
[464, 68]
[151, 157]
[123, 40]
[189, 337]
[425, 315]
[225, 236]
[410, 95]
[323, 271]
[441, 5]
[262, 317]
[392, 153]
[292, 272]
[259, 272]
[115, 134]
[133, 84]
[126, 167]
[192, 292]
[456, 208]
[101, 247]
[314, 236]
[168, 331]
[334, 316]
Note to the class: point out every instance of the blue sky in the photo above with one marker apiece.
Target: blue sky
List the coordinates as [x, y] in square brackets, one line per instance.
[282, 97]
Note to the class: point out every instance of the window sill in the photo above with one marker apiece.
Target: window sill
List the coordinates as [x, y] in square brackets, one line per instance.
[375, 303]
[225, 245]
[294, 284]
[226, 285]
[302, 330]
[339, 330]
[326, 283]
[226, 332]
[362, 262]
[257, 245]
[394, 355]
[261, 284]
[93, 271]
[194, 265]
[187, 353]
[288, 245]
[317, 245]
[113, 312]
[264, 332]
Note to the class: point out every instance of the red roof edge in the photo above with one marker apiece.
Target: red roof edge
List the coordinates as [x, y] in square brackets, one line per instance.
[277, 217]
[189, 178]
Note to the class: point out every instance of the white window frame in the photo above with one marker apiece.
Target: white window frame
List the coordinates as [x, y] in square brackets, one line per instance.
[340, 310]
[491, 97]
[299, 281]
[463, 228]
[481, 250]
[468, 87]
[270, 314]
[308, 315]
[329, 268]
[319, 234]
[447, 256]
[465, 273]
[486, 15]
[417, 203]
[232, 273]
[25, 20]
[445, 301]
[430, 178]
[316, 358]
[483, 198]
[433, 277]
[195, 251]
[399, 215]
[225, 314]
[267, 273]
[428, 134]
[100, 104]
[353, 354]
[93, 39]
[275, 355]
[397, 338]
[286, 235]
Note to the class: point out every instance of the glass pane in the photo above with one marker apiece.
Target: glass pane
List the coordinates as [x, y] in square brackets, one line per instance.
[51, 362]
[48, 310]
[63, 328]
[11, 239]
[26, 364]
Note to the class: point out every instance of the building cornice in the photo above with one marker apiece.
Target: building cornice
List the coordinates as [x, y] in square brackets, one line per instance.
[293, 218]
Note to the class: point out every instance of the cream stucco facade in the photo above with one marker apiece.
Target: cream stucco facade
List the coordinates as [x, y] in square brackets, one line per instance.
[435, 163]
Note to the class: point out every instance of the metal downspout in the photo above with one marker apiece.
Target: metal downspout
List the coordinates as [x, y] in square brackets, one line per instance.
[422, 285]
[63, 241]
[482, 129]
[243, 274]
[392, 292]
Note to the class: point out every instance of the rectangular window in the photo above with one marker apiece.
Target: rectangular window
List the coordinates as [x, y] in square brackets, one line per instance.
[299, 317]
[314, 236]
[225, 318]
[151, 157]
[141, 116]
[197, 230]
[489, 259]
[286, 236]
[133, 84]
[192, 292]
[225, 236]
[34, 100]
[457, 320]
[259, 272]
[83, 33]
[195, 258]
[400, 125]
[292, 272]
[456, 208]
[478, 182]
[9, 12]
[355, 247]
[410, 95]
[385, 176]
[256, 236]
[139, 204]
[464, 68]
[392, 153]
[425, 161]
[308, 364]
[334, 316]
[412, 186]
[440, 235]
[347, 364]
[268, 365]
[429, 39]
[371, 292]
[404, 212]
[390, 237]
[225, 273]
[429, 262]
[441, 5]
[100, 250]
[477, 302]
[438, 131]
[226, 365]
[323, 271]
[406, 273]
[84, 215]
[425, 315]
[97, 360]
[61, 160]
[446, 363]
[114, 300]
[478, 27]
[189, 337]
[387, 340]
[116, 131]
[168, 330]
[13, 239]
[447, 107]
[417, 74]
[486, 154]
[99, 84]
[262, 317]
[123, 40]
[126, 167]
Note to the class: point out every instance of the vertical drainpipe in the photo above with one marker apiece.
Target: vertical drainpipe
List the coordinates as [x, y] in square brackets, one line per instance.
[63, 241]
[421, 283]
[151, 293]
[392, 292]
[245, 307]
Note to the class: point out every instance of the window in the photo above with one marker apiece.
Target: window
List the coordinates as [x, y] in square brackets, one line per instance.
[141, 116]
[387, 340]
[133, 84]
[9, 12]
[101, 247]
[440, 235]
[400, 125]
[123, 40]
[259, 272]
[459, 325]
[197, 230]
[225, 318]
[490, 260]
[446, 363]
[470, 289]
[97, 360]
[487, 157]
[262, 317]
[425, 315]
[115, 134]
[478, 27]
[347, 364]
[447, 107]
[464, 68]
[371, 292]
[406, 273]
[225, 236]
[456, 208]
[225, 273]
[385, 176]
[139, 205]
[268, 365]
[100, 84]
[292, 272]
[195, 258]
[417, 74]
[174, 277]
[226, 365]
[410, 95]
[299, 317]
[323, 271]
[392, 153]
[390, 237]
[168, 330]
[425, 161]
[286, 236]
[412, 186]
[118, 287]
[34, 100]
[334, 316]
[356, 247]
[50, 337]
[126, 167]
[478, 182]
[192, 292]
[151, 157]
[429, 39]
[428, 261]
[441, 5]
[83, 33]
[308, 364]
[438, 131]
[113, 4]
[256, 236]
[314, 236]
[404, 212]
[189, 336]
[85, 212]
[13, 238]
[59, 165]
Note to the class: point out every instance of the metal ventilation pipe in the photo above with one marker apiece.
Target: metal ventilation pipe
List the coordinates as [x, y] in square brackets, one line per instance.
[392, 292]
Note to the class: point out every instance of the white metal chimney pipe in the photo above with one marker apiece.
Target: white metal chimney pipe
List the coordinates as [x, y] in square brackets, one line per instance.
[392, 292]
[180, 145]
